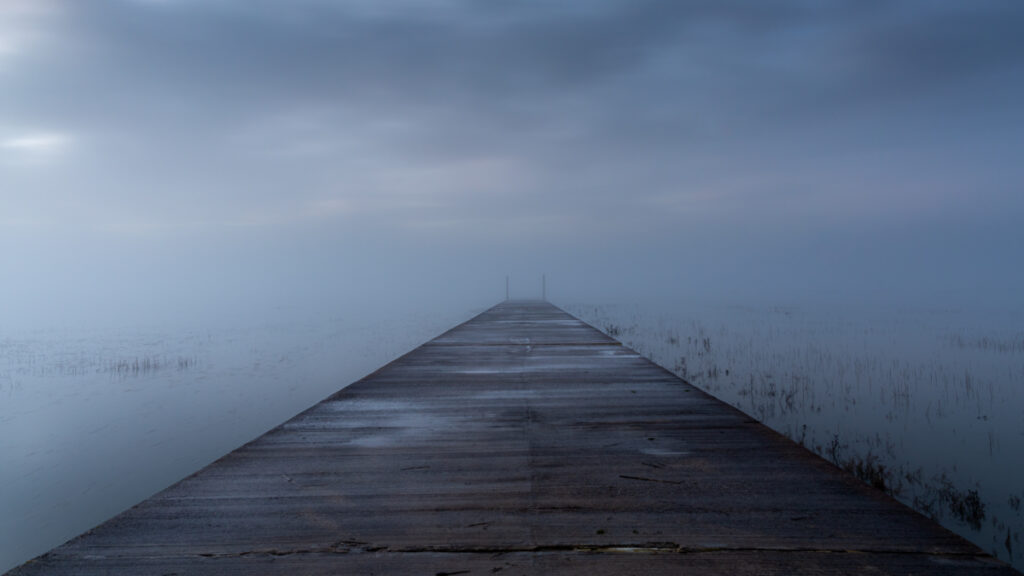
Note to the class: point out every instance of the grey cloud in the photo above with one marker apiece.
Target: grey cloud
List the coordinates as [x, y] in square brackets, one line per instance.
[657, 69]
[253, 53]
[706, 131]
[259, 51]
[953, 43]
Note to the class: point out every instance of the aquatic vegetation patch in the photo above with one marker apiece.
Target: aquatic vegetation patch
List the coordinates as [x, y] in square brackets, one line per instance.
[925, 405]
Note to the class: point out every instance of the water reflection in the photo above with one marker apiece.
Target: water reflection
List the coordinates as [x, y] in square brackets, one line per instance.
[927, 405]
[92, 422]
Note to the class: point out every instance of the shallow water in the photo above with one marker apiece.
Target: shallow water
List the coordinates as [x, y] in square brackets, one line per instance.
[94, 421]
[925, 404]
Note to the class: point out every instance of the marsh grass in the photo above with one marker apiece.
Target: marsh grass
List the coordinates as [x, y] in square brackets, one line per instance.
[907, 402]
[873, 473]
[148, 365]
[41, 359]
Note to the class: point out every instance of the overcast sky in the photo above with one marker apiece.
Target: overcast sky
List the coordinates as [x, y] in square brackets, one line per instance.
[177, 155]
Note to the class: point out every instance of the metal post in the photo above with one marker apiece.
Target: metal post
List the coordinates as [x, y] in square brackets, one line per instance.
[543, 287]
[506, 287]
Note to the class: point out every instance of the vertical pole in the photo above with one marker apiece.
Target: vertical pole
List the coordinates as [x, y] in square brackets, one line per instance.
[506, 287]
[544, 287]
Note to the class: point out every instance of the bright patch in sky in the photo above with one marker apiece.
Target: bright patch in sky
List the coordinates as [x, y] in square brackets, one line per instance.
[38, 143]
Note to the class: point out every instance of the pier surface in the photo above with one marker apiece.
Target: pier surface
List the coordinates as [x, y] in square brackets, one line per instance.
[523, 441]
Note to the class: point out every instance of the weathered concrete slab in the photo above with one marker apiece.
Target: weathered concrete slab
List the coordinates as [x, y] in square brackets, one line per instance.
[523, 441]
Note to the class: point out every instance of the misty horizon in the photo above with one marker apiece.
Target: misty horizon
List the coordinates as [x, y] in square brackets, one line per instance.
[173, 157]
[811, 210]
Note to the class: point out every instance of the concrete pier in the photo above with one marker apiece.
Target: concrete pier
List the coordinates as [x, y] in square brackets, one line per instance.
[521, 442]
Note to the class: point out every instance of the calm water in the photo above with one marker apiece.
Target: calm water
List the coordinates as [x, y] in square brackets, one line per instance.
[92, 422]
[926, 404]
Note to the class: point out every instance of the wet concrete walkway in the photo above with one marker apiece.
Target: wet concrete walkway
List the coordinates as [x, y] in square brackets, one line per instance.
[523, 441]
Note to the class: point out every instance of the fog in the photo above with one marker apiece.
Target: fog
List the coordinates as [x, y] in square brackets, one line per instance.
[190, 169]
[173, 158]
